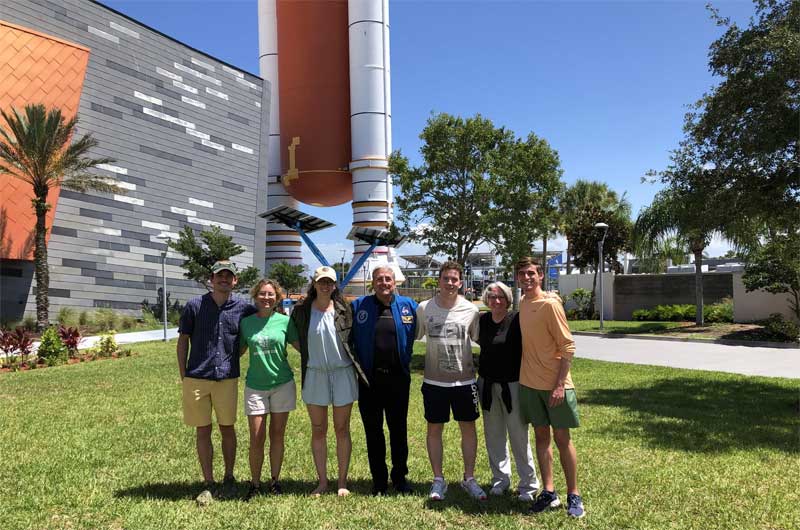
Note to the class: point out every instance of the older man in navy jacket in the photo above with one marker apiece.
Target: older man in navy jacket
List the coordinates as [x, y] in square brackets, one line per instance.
[384, 325]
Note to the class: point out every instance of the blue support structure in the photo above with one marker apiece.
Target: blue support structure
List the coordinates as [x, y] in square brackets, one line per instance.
[311, 245]
[357, 265]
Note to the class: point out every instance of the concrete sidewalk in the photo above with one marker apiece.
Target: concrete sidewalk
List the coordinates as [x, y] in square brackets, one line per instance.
[746, 360]
[124, 338]
[130, 338]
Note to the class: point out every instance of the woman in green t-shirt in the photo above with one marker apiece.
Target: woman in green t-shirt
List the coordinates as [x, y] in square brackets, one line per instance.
[269, 387]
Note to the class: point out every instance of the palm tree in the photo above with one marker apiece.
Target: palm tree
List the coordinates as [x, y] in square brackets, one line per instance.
[35, 147]
[693, 215]
[656, 256]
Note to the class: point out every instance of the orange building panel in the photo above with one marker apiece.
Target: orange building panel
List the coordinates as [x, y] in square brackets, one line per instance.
[34, 68]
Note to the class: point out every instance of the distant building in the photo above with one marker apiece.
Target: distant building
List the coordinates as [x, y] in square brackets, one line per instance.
[184, 127]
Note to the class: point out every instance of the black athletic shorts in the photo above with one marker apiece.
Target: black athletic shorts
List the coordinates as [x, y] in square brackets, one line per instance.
[438, 400]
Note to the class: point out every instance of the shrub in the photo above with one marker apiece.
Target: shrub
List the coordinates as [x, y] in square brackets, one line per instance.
[127, 322]
[106, 319]
[720, 312]
[71, 337]
[107, 345]
[149, 319]
[157, 309]
[583, 301]
[52, 349]
[8, 345]
[29, 323]
[779, 328]
[84, 318]
[66, 316]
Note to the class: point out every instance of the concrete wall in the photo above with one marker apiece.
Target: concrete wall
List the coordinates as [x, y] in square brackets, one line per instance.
[186, 132]
[567, 283]
[645, 291]
[757, 305]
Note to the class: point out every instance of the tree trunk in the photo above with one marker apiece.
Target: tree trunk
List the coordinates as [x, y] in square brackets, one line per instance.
[40, 263]
[546, 280]
[698, 286]
[569, 257]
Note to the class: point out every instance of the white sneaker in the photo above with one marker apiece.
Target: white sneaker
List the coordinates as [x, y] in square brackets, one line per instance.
[438, 489]
[473, 489]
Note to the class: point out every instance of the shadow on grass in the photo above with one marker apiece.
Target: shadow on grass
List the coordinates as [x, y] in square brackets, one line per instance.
[704, 415]
[182, 491]
[456, 498]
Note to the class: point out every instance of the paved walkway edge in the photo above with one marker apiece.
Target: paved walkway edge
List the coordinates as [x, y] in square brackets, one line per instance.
[753, 343]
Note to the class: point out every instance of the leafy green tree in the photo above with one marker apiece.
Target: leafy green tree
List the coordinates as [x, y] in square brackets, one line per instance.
[526, 189]
[443, 202]
[341, 271]
[775, 267]
[746, 127]
[35, 148]
[201, 253]
[584, 196]
[584, 237]
[290, 277]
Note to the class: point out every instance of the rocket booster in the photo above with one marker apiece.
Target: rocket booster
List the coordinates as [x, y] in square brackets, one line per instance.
[330, 113]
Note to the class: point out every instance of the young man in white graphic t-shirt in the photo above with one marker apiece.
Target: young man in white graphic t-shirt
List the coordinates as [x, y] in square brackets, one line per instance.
[450, 323]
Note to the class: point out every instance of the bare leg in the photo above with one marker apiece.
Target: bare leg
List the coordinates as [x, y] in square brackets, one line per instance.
[435, 447]
[205, 452]
[319, 445]
[469, 446]
[344, 445]
[277, 435]
[256, 452]
[544, 454]
[228, 448]
[569, 458]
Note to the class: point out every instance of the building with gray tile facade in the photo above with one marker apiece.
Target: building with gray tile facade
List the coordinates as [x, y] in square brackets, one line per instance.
[187, 132]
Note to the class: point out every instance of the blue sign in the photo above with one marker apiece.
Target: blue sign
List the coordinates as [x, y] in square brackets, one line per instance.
[557, 259]
[553, 272]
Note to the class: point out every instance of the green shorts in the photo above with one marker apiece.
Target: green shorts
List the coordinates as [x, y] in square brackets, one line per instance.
[533, 408]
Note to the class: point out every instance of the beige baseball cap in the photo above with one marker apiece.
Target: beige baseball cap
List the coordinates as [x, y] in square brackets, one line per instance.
[324, 272]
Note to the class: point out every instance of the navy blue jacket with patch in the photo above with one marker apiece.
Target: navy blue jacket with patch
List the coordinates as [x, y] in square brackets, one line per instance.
[362, 336]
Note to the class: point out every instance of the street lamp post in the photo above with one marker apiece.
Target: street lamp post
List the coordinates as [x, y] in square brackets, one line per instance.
[604, 226]
[166, 241]
[164, 292]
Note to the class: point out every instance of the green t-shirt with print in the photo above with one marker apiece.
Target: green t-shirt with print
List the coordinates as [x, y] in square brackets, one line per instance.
[266, 340]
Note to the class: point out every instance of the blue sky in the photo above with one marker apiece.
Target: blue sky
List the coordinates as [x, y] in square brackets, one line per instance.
[605, 83]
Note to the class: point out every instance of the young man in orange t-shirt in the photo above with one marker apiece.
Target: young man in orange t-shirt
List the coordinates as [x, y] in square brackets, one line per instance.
[546, 393]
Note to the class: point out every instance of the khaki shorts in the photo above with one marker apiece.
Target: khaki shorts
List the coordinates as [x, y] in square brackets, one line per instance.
[282, 398]
[200, 395]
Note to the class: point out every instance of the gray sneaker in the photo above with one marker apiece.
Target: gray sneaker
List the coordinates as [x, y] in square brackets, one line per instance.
[473, 489]
[438, 489]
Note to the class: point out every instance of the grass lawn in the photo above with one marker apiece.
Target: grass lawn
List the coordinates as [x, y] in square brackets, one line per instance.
[102, 445]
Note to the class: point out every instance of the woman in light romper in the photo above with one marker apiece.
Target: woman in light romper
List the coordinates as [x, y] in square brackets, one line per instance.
[329, 372]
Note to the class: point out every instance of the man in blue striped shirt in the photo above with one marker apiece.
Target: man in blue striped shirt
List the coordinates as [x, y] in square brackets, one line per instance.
[209, 334]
